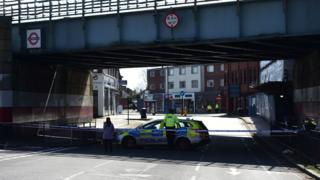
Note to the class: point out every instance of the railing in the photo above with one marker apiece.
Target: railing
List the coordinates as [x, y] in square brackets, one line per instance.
[23, 11]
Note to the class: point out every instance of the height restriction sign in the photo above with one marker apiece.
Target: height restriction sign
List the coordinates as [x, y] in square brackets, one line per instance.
[33, 38]
[171, 20]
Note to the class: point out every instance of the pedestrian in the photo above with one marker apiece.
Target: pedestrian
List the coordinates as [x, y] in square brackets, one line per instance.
[209, 108]
[108, 132]
[217, 108]
[170, 121]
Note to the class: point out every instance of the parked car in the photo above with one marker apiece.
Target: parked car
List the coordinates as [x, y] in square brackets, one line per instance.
[190, 133]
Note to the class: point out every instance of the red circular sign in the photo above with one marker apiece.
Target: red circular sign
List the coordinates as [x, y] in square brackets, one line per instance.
[33, 38]
[171, 20]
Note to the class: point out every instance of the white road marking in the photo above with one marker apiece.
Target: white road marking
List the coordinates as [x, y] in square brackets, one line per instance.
[74, 175]
[199, 164]
[15, 156]
[22, 154]
[148, 168]
[111, 176]
[193, 178]
[132, 170]
[298, 175]
[47, 151]
[197, 167]
[233, 171]
[136, 175]
[102, 164]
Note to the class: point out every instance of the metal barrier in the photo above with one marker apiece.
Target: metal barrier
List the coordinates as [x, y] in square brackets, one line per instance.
[23, 11]
[44, 130]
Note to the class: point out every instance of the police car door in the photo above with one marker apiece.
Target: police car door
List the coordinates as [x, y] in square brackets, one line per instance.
[151, 133]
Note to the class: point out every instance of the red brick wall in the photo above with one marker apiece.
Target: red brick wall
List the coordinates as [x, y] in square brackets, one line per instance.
[156, 81]
[246, 75]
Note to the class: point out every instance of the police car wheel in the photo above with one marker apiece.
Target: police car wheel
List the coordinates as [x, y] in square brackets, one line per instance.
[129, 142]
[183, 144]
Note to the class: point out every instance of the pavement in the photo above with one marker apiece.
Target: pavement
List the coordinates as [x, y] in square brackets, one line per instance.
[121, 120]
[234, 155]
[284, 145]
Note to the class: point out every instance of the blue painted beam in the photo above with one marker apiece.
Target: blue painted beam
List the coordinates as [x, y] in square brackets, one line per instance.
[215, 22]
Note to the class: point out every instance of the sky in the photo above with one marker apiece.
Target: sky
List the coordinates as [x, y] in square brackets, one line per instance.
[136, 77]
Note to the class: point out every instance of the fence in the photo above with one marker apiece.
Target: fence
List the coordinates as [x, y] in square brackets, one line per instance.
[43, 10]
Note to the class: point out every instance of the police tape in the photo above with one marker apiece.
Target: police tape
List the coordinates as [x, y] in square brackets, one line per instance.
[54, 127]
[240, 131]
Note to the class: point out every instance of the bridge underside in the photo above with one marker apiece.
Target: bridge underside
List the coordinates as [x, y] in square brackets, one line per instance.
[249, 49]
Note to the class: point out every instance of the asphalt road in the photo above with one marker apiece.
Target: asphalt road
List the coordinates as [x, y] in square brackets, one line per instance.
[229, 156]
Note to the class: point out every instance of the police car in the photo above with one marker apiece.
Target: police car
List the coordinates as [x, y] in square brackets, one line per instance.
[190, 133]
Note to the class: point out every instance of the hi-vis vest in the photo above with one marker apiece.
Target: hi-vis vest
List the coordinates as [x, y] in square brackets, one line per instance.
[170, 120]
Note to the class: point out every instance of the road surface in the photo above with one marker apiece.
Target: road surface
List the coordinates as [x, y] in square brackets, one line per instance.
[229, 156]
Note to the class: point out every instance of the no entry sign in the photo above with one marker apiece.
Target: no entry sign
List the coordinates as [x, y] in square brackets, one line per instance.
[171, 20]
[33, 38]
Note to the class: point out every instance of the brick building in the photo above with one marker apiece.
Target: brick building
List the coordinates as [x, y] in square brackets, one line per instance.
[156, 87]
[214, 86]
[241, 79]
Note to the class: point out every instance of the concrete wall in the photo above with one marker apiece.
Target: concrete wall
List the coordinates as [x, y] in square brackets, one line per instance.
[48, 92]
[25, 94]
[265, 107]
[5, 70]
[307, 87]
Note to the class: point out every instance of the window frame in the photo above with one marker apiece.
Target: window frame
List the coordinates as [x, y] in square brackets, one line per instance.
[169, 72]
[208, 68]
[182, 71]
[210, 80]
[222, 82]
[192, 70]
[152, 73]
[169, 87]
[221, 67]
[185, 84]
[192, 81]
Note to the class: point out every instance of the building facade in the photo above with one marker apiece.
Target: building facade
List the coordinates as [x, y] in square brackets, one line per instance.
[214, 86]
[105, 91]
[306, 86]
[156, 79]
[241, 80]
[274, 99]
[183, 84]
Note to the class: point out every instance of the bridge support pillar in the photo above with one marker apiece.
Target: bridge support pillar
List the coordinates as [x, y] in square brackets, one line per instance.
[5, 71]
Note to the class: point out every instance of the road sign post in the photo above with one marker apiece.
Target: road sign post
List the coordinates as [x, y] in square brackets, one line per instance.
[182, 95]
[171, 20]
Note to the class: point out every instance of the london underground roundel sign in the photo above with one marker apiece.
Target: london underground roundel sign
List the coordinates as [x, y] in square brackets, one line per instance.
[171, 20]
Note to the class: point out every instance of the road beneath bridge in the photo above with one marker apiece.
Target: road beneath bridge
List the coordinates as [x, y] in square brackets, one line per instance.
[232, 156]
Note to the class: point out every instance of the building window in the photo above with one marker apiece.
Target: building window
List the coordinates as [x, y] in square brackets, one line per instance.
[182, 70]
[161, 86]
[170, 85]
[152, 73]
[152, 87]
[182, 84]
[194, 70]
[222, 67]
[210, 83]
[210, 68]
[171, 72]
[221, 82]
[194, 84]
[161, 72]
